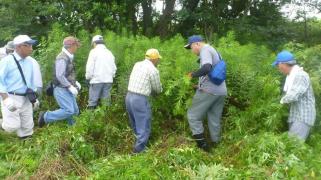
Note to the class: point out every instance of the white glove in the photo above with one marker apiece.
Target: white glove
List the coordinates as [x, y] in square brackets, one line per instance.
[282, 101]
[9, 104]
[36, 105]
[73, 90]
[78, 85]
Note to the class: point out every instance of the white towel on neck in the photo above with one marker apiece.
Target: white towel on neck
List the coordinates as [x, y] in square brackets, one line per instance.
[290, 77]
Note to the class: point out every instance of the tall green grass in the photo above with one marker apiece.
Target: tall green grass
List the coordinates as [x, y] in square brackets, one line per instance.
[255, 144]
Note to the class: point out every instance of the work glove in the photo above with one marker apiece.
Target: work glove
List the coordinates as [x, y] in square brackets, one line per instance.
[9, 104]
[78, 85]
[282, 101]
[36, 105]
[73, 90]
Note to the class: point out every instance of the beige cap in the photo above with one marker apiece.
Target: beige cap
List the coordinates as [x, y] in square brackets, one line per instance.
[152, 54]
[70, 40]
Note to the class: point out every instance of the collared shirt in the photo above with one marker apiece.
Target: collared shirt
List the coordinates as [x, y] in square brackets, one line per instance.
[301, 99]
[10, 77]
[100, 67]
[71, 56]
[144, 79]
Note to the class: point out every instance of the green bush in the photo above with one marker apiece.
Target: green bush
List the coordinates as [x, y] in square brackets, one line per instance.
[99, 145]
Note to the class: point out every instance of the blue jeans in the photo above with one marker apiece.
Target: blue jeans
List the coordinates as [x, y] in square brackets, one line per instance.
[68, 107]
[139, 112]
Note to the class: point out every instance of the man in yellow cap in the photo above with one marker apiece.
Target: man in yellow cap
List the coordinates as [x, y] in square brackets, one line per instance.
[144, 80]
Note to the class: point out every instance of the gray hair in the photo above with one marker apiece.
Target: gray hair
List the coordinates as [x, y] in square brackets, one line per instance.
[67, 46]
[292, 62]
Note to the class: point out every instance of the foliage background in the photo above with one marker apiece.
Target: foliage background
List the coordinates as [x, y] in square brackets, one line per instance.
[248, 34]
[254, 145]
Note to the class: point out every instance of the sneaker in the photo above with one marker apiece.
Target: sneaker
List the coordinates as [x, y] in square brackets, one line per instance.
[41, 120]
[91, 107]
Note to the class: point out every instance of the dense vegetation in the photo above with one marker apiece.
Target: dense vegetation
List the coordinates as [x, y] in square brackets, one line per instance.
[254, 145]
[248, 33]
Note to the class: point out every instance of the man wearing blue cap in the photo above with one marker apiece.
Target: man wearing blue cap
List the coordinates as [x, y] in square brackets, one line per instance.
[209, 97]
[15, 105]
[298, 93]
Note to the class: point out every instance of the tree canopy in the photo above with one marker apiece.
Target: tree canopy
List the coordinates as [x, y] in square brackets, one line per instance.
[252, 20]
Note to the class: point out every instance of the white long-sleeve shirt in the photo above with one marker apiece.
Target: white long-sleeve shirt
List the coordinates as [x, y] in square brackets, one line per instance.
[101, 67]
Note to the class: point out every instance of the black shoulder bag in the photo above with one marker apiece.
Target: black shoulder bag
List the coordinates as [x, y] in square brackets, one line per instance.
[31, 95]
[50, 89]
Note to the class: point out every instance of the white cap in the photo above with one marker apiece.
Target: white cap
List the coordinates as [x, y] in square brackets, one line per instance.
[23, 39]
[97, 38]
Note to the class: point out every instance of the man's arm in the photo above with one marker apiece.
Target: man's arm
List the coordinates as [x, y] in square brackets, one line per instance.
[204, 70]
[60, 72]
[300, 86]
[114, 65]
[90, 66]
[207, 61]
[3, 72]
[155, 83]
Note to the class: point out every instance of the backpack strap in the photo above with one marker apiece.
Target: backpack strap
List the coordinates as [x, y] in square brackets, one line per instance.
[219, 55]
[19, 67]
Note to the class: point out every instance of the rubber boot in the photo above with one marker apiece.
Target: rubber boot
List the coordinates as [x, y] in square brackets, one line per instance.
[91, 107]
[201, 142]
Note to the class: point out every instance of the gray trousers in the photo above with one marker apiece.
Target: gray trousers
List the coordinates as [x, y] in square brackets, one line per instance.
[99, 91]
[210, 105]
[299, 129]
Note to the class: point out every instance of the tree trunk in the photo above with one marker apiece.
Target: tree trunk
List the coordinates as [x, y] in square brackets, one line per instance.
[187, 24]
[147, 17]
[131, 16]
[165, 19]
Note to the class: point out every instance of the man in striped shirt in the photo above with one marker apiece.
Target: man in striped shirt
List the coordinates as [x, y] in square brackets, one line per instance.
[144, 80]
[299, 94]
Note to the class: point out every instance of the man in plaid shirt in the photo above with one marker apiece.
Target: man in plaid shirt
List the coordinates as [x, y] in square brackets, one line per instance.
[299, 94]
[144, 80]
